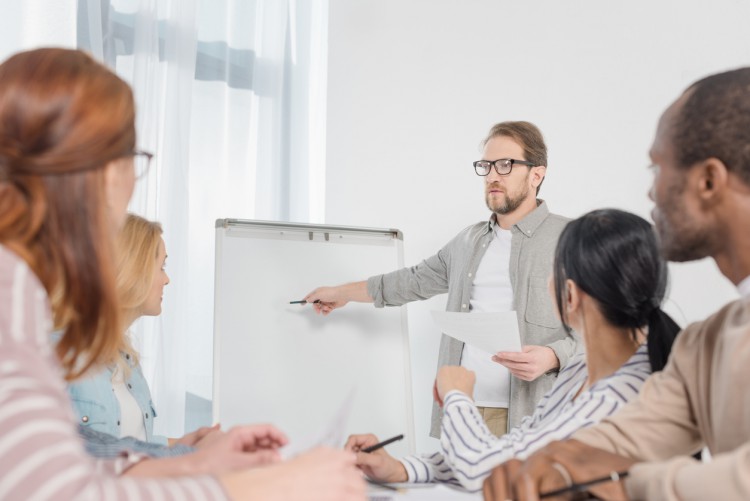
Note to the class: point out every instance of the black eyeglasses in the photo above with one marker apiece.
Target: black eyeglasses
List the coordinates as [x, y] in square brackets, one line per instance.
[502, 166]
[141, 161]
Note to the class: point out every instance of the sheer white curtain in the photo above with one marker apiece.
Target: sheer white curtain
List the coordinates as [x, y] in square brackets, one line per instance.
[34, 23]
[231, 98]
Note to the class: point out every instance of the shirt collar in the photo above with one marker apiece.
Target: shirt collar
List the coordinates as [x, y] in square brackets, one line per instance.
[744, 287]
[533, 219]
[530, 222]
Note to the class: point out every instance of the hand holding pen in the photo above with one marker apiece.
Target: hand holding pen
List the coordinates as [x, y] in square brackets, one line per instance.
[319, 305]
[559, 471]
[327, 299]
[374, 461]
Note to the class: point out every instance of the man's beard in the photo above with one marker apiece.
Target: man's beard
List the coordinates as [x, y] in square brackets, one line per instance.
[511, 203]
[680, 241]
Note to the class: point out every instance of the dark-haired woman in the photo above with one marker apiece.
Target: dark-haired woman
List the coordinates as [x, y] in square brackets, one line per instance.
[608, 283]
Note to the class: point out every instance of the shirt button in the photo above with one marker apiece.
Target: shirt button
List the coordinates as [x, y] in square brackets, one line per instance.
[147, 415]
[85, 419]
[484, 245]
[130, 386]
[528, 231]
[469, 275]
[463, 306]
[118, 423]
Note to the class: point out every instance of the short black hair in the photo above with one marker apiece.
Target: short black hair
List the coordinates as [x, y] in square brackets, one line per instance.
[613, 256]
[715, 122]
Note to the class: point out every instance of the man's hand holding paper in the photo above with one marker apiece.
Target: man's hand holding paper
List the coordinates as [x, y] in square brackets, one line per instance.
[489, 331]
[530, 363]
[497, 333]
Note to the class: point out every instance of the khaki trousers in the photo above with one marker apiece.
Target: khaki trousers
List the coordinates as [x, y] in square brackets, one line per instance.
[496, 419]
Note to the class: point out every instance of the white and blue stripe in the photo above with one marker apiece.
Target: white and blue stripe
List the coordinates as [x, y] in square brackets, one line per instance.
[469, 451]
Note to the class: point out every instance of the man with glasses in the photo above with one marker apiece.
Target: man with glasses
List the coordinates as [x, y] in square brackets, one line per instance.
[500, 265]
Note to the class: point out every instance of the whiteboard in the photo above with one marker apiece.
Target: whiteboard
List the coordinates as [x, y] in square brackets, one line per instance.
[283, 364]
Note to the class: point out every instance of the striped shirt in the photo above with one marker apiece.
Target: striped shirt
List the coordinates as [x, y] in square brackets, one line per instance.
[41, 455]
[469, 451]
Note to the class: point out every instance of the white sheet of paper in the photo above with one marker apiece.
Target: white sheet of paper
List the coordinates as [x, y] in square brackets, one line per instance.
[422, 492]
[488, 331]
[332, 436]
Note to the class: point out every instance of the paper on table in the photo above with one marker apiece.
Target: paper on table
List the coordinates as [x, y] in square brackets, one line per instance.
[332, 436]
[422, 492]
[488, 331]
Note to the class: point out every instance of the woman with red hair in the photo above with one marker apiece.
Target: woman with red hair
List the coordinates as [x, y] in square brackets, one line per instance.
[67, 144]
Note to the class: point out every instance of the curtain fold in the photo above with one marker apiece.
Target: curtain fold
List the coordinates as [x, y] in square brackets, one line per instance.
[229, 98]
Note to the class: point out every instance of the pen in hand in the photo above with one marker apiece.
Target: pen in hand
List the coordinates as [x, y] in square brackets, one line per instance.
[382, 444]
[302, 301]
[614, 476]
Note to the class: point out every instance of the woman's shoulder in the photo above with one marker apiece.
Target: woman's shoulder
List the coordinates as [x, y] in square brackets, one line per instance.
[576, 362]
[626, 382]
[22, 295]
[13, 267]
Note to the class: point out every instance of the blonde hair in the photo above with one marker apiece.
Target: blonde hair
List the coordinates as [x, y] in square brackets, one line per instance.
[136, 250]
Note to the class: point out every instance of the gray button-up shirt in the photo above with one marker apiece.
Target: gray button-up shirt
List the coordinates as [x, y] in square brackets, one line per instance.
[452, 269]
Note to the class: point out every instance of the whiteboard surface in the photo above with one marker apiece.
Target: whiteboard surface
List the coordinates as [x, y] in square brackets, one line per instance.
[283, 364]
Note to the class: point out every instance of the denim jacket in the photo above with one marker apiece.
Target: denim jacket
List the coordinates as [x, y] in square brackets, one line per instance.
[97, 407]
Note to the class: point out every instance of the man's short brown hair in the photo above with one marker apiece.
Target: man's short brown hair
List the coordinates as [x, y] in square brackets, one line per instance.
[528, 136]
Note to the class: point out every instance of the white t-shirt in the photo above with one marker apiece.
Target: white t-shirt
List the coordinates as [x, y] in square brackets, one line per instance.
[491, 291]
[131, 420]
[744, 287]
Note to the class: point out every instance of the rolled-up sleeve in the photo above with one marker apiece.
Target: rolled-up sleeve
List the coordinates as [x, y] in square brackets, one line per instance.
[565, 348]
[423, 281]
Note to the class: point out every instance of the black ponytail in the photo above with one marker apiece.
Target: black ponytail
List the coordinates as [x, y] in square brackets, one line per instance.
[613, 257]
[662, 331]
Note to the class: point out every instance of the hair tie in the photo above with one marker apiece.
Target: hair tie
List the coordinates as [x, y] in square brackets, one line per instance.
[650, 305]
[653, 307]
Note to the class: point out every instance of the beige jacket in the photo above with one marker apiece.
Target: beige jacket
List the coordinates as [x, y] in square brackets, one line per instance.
[701, 398]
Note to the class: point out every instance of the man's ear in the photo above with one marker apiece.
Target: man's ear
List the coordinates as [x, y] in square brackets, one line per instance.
[537, 175]
[712, 179]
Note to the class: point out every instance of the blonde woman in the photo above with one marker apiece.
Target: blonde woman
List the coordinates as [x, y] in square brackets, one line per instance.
[115, 398]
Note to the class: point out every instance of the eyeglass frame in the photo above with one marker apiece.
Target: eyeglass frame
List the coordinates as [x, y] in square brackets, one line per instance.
[493, 163]
[148, 156]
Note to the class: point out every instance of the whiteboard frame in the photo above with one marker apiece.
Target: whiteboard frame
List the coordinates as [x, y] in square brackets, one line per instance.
[313, 231]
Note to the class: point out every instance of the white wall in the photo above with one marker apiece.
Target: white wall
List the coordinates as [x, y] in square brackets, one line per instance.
[415, 84]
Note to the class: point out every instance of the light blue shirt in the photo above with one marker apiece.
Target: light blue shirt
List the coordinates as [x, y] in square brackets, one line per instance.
[101, 445]
[97, 407]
